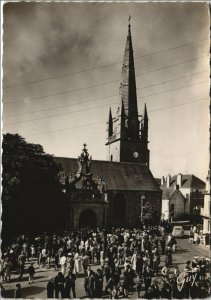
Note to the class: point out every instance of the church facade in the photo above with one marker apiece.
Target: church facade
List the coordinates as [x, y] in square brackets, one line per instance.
[120, 191]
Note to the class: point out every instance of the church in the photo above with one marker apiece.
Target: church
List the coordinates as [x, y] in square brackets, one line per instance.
[120, 191]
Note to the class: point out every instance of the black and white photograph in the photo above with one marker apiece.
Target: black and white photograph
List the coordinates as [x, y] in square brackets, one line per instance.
[105, 138]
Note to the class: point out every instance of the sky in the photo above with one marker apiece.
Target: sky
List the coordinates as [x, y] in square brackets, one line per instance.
[62, 67]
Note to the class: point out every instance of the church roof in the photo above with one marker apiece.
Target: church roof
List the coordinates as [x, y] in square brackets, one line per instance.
[118, 175]
[188, 181]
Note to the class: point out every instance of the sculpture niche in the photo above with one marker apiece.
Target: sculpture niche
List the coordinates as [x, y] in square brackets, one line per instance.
[90, 188]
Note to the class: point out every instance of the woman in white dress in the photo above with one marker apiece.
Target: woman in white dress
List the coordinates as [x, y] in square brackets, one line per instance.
[134, 260]
[78, 268]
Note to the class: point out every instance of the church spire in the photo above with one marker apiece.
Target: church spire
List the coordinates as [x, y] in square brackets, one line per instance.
[128, 88]
[126, 142]
[110, 124]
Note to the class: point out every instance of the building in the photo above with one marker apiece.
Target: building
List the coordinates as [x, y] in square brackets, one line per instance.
[182, 196]
[206, 210]
[122, 190]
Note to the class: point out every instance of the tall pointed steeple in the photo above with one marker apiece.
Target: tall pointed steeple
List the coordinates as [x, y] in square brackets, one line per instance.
[128, 143]
[128, 88]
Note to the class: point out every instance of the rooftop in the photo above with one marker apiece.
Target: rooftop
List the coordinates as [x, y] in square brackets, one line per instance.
[188, 181]
[118, 175]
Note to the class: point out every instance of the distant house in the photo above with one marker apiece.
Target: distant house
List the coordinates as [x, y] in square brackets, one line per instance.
[206, 210]
[182, 195]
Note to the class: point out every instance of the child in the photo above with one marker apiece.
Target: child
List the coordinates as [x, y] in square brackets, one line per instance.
[32, 251]
[17, 292]
[31, 272]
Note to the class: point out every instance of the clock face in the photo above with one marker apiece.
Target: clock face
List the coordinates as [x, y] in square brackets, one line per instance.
[135, 154]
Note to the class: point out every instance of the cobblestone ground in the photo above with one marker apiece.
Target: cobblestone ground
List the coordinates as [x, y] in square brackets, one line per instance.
[38, 288]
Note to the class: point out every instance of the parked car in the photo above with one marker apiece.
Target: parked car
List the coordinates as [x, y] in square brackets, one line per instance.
[178, 231]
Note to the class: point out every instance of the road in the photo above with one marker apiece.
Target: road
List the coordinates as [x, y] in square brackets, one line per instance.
[38, 288]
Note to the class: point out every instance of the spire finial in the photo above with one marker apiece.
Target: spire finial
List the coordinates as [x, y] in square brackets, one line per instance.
[129, 20]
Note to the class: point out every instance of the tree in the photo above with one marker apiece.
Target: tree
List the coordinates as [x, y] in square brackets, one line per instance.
[32, 198]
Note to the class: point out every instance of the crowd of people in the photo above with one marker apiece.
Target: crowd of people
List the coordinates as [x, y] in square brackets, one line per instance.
[113, 264]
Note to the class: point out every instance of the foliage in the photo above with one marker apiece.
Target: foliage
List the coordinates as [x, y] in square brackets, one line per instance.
[32, 199]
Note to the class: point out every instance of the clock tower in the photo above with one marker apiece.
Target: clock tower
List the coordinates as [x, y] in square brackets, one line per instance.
[127, 135]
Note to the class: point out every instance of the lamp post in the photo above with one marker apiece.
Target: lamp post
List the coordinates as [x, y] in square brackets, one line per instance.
[142, 207]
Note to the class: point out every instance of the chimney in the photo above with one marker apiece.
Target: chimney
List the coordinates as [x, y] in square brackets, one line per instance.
[179, 179]
[162, 180]
[168, 181]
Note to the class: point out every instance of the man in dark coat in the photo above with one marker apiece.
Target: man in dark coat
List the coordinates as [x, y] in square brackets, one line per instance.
[147, 274]
[163, 244]
[50, 288]
[59, 285]
[91, 285]
[98, 283]
[70, 285]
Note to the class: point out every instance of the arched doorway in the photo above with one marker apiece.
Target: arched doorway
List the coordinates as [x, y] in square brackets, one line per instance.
[119, 210]
[87, 219]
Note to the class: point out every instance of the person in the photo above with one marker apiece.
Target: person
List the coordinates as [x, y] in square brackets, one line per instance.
[43, 257]
[110, 284]
[91, 285]
[50, 288]
[17, 292]
[21, 260]
[165, 271]
[2, 290]
[63, 264]
[2, 270]
[116, 272]
[202, 268]
[114, 292]
[32, 251]
[7, 267]
[156, 290]
[56, 261]
[139, 264]
[139, 287]
[77, 264]
[149, 293]
[86, 279]
[85, 262]
[121, 293]
[98, 284]
[163, 244]
[59, 285]
[147, 274]
[176, 271]
[134, 260]
[187, 266]
[168, 258]
[165, 292]
[70, 284]
[31, 271]
[156, 261]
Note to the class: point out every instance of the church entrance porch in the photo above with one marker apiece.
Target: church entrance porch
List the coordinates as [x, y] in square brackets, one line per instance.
[87, 219]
